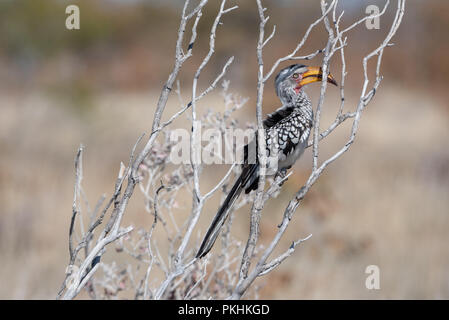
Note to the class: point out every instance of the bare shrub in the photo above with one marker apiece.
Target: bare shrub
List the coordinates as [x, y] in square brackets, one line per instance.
[227, 274]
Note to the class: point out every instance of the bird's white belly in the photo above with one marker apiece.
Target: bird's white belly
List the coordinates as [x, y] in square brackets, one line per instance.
[288, 161]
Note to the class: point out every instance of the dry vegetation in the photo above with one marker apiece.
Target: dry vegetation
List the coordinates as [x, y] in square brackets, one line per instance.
[384, 203]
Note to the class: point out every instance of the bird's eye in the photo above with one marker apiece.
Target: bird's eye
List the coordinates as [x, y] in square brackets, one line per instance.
[295, 76]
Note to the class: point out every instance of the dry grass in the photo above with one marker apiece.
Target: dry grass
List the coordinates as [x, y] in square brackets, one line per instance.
[384, 202]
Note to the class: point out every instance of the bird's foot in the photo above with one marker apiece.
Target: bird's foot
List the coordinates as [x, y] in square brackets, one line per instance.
[281, 174]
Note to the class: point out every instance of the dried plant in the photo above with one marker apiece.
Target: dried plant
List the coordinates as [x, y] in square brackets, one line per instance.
[228, 272]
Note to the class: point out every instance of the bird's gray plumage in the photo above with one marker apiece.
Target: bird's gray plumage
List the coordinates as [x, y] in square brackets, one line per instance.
[286, 134]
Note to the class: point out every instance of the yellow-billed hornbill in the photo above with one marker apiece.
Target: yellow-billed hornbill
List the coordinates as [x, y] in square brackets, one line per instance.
[286, 134]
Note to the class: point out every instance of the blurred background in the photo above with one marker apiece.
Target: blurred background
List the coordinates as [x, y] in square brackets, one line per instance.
[384, 203]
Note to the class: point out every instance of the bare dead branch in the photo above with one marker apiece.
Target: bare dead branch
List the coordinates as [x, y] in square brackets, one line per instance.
[231, 273]
[335, 43]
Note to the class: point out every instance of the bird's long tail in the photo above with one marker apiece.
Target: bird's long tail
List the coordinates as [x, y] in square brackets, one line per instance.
[222, 214]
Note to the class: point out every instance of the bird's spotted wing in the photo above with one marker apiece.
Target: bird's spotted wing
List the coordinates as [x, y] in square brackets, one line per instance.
[282, 137]
[277, 116]
[287, 134]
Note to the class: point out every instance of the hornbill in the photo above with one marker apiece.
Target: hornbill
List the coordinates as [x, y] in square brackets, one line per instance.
[286, 134]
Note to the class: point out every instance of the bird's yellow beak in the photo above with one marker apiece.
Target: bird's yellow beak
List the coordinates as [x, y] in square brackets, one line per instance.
[315, 74]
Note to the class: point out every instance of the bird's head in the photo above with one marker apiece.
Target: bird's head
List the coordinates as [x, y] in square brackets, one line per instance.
[291, 80]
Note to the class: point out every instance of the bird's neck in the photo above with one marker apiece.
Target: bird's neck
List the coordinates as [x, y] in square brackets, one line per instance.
[300, 101]
[291, 97]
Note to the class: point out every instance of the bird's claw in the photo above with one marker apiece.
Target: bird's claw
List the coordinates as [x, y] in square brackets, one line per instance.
[281, 174]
